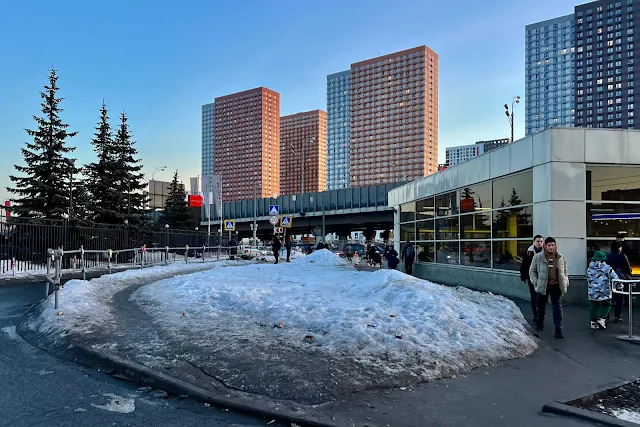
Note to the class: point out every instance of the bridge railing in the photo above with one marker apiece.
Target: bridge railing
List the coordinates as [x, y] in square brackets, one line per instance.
[332, 200]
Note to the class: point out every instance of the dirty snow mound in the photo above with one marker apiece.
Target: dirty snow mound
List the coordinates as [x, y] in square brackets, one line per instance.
[323, 257]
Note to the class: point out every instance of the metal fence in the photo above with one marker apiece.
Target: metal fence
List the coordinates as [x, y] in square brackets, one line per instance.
[24, 242]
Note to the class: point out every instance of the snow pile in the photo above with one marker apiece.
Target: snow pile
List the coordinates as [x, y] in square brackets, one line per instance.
[86, 304]
[386, 319]
[323, 257]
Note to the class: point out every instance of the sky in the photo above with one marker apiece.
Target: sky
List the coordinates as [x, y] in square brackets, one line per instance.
[159, 61]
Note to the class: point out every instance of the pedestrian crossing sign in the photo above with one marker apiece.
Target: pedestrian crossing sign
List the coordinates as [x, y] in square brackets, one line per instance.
[274, 210]
[230, 225]
[285, 221]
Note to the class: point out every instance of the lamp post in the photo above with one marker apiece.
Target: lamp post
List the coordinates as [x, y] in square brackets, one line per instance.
[158, 169]
[166, 226]
[510, 113]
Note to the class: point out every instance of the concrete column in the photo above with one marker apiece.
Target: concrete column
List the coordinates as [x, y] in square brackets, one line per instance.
[369, 234]
[396, 228]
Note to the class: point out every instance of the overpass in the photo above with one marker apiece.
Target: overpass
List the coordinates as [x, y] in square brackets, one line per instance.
[334, 211]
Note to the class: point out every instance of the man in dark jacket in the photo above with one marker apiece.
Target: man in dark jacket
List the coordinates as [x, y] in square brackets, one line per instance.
[408, 256]
[275, 246]
[619, 262]
[626, 247]
[321, 245]
[287, 246]
[233, 248]
[392, 257]
[538, 242]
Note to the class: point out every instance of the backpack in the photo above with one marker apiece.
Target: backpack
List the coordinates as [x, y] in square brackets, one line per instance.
[411, 253]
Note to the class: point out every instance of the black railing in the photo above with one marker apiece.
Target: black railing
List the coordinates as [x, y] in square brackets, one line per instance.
[24, 242]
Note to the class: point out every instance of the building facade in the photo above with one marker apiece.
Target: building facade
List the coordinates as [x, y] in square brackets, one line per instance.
[462, 153]
[208, 141]
[394, 117]
[605, 63]
[471, 223]
[338, 130]
[549, 74]
[494, 143]
[247, 143]
[303, 152]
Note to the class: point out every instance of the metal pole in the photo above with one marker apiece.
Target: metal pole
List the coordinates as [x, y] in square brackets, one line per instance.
[209, 193]
[630, 309]
[58, 275]
[302, 172]
[221, 218]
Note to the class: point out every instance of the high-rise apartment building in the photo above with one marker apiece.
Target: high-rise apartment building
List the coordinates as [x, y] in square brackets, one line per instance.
[606, 63]
[394, 117]
[549, 74]
[303, 152]
[492, 144]
[338, 130]
[247, 143]
[207, 141]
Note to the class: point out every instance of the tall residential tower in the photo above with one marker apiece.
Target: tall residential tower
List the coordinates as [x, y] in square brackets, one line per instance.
[303, 152]
[338, 130]
[394, 117]
[549, 74]
[207, 141]
[247, 143]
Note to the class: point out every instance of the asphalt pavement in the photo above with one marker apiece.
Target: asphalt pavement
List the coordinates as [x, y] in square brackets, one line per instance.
[39, 389]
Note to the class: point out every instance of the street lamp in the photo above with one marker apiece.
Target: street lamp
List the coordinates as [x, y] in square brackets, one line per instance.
[509, 113]
[166, 226]
[158, 169]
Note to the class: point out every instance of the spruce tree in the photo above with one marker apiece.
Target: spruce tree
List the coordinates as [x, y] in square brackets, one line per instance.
[176, 211]
[129, 177]
[43, 190]
[101, 177]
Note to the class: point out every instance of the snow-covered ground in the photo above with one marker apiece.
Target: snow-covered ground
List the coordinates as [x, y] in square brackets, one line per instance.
[86, 304]
[320, 302]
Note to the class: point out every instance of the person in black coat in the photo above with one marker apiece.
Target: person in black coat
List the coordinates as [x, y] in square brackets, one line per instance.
[538, 242]
[321, 245]
[275, 246]
[233, 248]
[392, 258]
[287, 246]
[619, 262]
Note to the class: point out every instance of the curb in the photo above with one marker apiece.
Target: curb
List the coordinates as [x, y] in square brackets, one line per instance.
[583, 414]
[142, 375]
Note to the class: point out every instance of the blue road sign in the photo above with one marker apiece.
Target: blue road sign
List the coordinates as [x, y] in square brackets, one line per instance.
[286, 221]
[274, 210]
[229, 225]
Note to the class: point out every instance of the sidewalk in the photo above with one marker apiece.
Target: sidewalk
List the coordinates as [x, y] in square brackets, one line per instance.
[509, 394]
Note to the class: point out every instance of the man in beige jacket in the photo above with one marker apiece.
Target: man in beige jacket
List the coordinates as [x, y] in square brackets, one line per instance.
[548, 273]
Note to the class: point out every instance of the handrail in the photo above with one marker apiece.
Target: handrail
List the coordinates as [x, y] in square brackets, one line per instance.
[630, 293]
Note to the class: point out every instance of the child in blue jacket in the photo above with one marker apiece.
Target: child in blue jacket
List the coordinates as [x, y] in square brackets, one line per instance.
[599, 276]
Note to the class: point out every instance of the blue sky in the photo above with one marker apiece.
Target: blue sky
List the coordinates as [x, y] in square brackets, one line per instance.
[161, 60]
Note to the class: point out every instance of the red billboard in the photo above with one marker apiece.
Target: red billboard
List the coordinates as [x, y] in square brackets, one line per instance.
[195, 201]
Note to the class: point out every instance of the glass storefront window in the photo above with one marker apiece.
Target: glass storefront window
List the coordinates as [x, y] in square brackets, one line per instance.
[425, 230]
[475, 226]
[605, 246]
[609, 219]
[425, 252]
[476, 253]
[408, 212]
[515, 223]
[447, 204]
[425, 208]
[513, 190]
[447, 228]
[408, 231]
[448, 253]
[475, 198]
[615, 183]
[507, 254]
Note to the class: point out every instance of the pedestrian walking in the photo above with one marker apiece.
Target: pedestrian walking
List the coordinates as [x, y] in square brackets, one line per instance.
[626, 247]
[275, 246]
[287, 245]
[536, 247]
[548, 273]
[619, 262]
[348, 252]
[321, 245]
[408, 256]
[392, 258]
[233, 248]
[599, 277]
